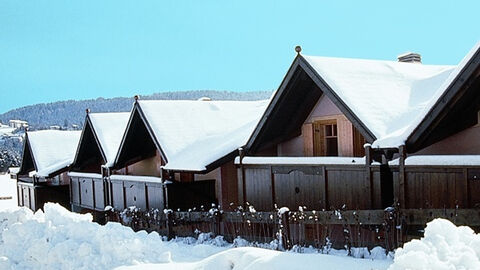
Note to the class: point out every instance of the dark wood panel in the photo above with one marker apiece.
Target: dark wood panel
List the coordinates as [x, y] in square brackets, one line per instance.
[299, 189]
[436, 190]
[86, 192]
[118, 200]
[75, 190]
[99, 194]
[155, 197]
[135, 195]
[258, 187]
[474, 192]
[347, 188]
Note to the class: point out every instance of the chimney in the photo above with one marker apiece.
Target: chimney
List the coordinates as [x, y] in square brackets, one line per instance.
[410, 57]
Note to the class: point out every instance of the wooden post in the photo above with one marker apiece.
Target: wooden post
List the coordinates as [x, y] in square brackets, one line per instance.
[401, 194]
[286, 239]
[401, 176]
[241, 180]
[170, 232]
[368, 175]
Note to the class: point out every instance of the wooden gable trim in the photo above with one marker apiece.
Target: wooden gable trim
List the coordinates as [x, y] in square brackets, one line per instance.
[443, 105]
[137, 109]
[88, 122]
[300, 62]
[327, 90]
[271, 106]
[152, 135]
[26, 146]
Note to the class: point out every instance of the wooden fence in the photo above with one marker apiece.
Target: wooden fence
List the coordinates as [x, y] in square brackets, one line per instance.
[34, 196]
[320, 229]
[94, 192]
[315, 186]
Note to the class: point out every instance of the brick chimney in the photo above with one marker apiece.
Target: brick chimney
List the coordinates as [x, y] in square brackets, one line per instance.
[410, 57]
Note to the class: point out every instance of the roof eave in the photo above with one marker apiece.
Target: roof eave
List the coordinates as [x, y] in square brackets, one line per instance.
[432, 117]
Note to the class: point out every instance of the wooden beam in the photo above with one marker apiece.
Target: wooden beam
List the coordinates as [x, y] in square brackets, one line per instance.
[401, 177]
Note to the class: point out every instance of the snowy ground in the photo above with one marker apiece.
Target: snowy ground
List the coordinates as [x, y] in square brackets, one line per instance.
[59, 239]
[7, 189]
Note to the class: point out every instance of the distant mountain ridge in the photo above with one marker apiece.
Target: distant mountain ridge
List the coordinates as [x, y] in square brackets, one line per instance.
[70, 112]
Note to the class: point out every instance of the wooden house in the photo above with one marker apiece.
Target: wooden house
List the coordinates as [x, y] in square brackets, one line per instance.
[47, 156]
[98, 146]
[327, 107]
[186, 146]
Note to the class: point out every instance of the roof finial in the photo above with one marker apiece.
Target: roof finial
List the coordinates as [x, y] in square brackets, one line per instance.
[135, 97]
[87, 110]
[298, 49]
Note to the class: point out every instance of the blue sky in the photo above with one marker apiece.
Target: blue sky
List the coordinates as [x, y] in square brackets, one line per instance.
[56, 50]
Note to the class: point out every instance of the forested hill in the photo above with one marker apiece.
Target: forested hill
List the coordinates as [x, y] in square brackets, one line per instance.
[67, 113]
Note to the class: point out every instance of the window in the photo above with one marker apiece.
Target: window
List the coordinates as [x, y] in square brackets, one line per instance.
[325, 139]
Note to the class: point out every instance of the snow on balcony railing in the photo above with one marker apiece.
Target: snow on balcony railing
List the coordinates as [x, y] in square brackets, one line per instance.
[83, 174]
[301, 160]
[136, 178]
[440, 160]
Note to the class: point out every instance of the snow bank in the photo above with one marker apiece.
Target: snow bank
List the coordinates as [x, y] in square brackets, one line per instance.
[444, 246]
[263, 259]
[59, 239]
[8, 192]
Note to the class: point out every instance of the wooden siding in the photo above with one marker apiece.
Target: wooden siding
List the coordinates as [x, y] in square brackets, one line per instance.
[299, 189]
[156, 195]
[88, 192]
[34, 197]
[439, 187]
[316, 187]
[258, 187]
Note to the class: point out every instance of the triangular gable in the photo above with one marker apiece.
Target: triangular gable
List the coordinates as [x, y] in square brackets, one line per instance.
[89, 150]
[108, 129]
[138, 141]
[28, 160]
[291, 104]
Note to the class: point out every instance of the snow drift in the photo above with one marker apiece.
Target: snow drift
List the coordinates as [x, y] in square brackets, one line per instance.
[59, 239]
[444, 246]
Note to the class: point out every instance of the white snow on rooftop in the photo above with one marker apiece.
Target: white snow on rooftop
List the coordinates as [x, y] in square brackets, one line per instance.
[53, 150]
[193, 134]
[384, 95]
[399, 137]
[109, 128]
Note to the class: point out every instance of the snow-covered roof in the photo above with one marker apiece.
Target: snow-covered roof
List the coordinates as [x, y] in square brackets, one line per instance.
[384, 95]
[398, 138]
[194, 134]
[109, 129]
[390, 98]
[52, 150]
